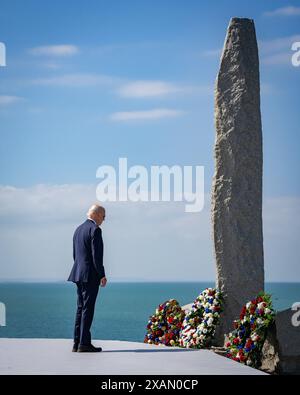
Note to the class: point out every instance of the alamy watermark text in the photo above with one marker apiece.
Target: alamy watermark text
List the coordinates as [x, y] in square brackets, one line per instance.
[162, 183]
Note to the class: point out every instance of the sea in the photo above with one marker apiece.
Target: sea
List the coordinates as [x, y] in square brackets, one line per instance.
[47, 310]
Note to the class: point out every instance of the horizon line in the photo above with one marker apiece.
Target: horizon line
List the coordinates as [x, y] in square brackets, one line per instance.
[58, 281]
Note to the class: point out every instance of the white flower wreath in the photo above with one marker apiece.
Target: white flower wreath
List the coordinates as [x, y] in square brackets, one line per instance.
[200, 322]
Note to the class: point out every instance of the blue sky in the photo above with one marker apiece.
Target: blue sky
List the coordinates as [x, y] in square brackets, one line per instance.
[76, 72]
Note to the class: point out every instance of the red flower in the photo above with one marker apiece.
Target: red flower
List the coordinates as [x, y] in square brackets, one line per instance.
[248, 343]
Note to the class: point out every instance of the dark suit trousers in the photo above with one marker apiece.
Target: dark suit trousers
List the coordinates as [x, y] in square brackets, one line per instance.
[86, 299]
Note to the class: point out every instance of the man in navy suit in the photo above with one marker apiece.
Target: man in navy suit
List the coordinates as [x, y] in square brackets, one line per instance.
[88, 273]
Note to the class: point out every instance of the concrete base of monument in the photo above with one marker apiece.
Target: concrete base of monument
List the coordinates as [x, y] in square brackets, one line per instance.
[54, 356]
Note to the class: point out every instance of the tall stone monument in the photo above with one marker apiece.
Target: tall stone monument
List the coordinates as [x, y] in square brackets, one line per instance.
[237, 182]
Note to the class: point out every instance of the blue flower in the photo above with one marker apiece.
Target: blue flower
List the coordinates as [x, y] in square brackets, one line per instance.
[207, 310]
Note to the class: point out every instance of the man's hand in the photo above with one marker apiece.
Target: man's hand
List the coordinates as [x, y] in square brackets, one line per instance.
[103, 282]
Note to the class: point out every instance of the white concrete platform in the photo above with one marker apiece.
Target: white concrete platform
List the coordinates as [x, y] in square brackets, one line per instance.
[54, 356]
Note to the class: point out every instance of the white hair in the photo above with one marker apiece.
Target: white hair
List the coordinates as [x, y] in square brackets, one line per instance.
[95, 209]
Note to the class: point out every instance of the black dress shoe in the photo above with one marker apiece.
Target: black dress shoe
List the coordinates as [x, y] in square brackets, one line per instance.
[89, 348]
[75, 347]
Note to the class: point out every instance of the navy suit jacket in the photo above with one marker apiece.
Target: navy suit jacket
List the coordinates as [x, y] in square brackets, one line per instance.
[87, 253]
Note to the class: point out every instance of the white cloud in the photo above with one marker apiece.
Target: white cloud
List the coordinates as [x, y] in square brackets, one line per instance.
[76, 80]
[212, 53]
[272, 52]
[7, 100]
[55, 50]
[147, 240]
[51, 65]
[277, 51]
[37, 225]
[284, 11]
[147, 89]
[126, 89]
[281, 242]
[277, 44]
[282, 58]
[154, 114]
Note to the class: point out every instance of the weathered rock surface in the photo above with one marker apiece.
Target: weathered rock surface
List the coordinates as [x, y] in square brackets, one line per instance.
[237, 182]
[281, 350]
[270, 352]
